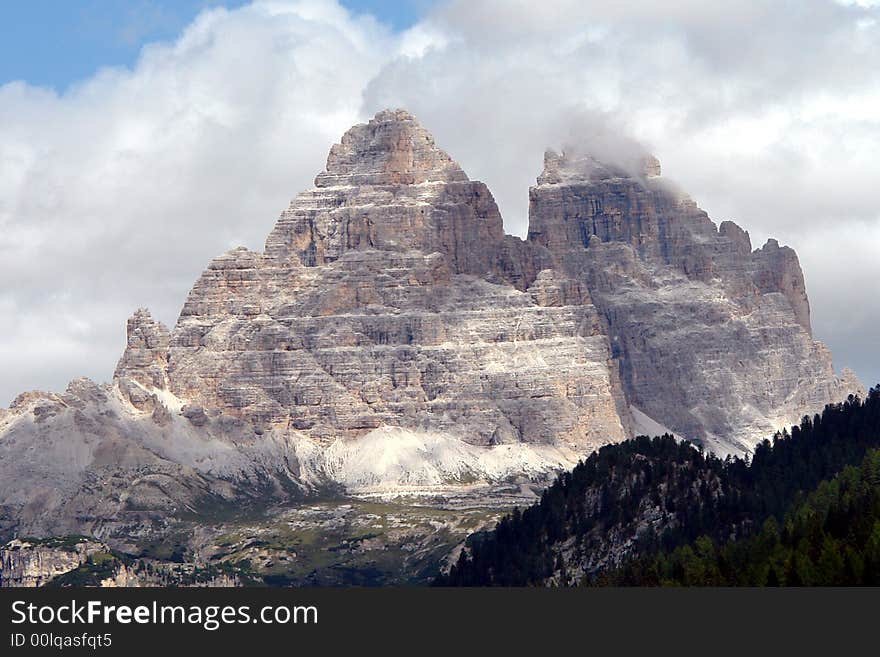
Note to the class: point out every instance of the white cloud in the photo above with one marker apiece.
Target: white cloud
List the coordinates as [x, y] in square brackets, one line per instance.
[116, 194]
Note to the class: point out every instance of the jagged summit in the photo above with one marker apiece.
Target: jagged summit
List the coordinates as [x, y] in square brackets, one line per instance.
[146, 342]
[371, 196]
[143, 365]
[391, 149]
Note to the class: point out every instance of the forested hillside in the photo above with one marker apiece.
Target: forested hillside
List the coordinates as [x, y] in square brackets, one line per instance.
[830, 539]
[630, 502]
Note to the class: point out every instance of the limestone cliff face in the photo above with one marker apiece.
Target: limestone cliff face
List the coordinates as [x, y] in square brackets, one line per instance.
[579, 199]
[389, 296]
[30, 564]
[713, 339]
[388, 187]
[391, 338]
[146, 353]
[142, 367]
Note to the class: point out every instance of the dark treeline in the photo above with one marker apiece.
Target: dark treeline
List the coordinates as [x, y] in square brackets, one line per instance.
[830, 539]
[648, 496]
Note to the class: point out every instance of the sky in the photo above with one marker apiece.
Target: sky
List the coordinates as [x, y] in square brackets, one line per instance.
[140, 139]
[57, 42]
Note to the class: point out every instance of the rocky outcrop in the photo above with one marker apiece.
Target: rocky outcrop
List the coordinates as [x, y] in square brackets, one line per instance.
[142, 368]
[391, 338]
[79, 561]
[146, 353]
[31, 563]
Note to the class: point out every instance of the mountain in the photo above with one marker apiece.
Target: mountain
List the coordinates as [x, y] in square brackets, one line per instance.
[640, 511]
[391, 341]
[712, 339]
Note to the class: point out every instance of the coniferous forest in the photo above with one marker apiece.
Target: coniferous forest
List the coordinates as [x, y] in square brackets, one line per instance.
[830, 539]
[804, 510]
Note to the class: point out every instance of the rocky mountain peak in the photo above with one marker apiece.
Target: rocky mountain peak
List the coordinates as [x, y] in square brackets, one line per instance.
[145, 358]
[144, 332]
[573, 166]
[391, 149]
[388, 187]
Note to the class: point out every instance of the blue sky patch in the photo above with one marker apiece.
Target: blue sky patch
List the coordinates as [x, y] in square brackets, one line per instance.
[58, 42]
